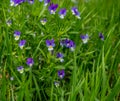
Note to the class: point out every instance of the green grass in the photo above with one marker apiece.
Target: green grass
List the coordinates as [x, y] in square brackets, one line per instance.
[91, 71]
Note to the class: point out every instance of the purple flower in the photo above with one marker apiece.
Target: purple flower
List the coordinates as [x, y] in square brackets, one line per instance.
[20, 69]
[22, 43]
[60, 57]
[50, 44]
[17, 34]
[31, 1]
[43, 21]
[46, 2]
[62, 13]
[61, 74]
[16, 2]
[30, 62]
[101, 36]
[70, 44]
[75, 12]
[84, 38]
[67, 43]
[52, 8]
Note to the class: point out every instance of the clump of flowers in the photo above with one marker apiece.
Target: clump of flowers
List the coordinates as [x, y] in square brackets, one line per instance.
[43, 21]
[52, 8]
[84, 38]
[68, 43]
[61, 74]
[75, 12]
[30, 62]
[62, 13]
[60, 57]
[20, 69]
[50, 44]
[22, 43]
[17, 35]
[101, 36]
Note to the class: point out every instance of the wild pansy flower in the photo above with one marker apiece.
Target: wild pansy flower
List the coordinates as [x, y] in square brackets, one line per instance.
[52, 8]
[17, 34]
[75, 12]
[46, 2]
[62, 13]
[84, 38]
[31, 1]
[60, 57]
[22, 43]
[20, 69]
[43, 21]
[16, 2]
[61, 74]
[30, 62]
[70, 44]
[67, 43]
[50, 44]
[101, 36]
[57, 83]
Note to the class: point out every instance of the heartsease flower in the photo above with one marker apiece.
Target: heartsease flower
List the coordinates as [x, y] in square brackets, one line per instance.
[22, 43]
[31, 1]
[61, 74]
[84, 38]
[30, 62]
[20, 69]
[16, 2]
[62, 13]
[17, 34]
[60, 57]
[101, 36]
[75, 12]
[50, 44]
[46, 2]
[43, 21]
[70, 44]
[52, 8]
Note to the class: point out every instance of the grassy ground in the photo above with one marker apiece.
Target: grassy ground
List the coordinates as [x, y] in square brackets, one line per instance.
[92, 70]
